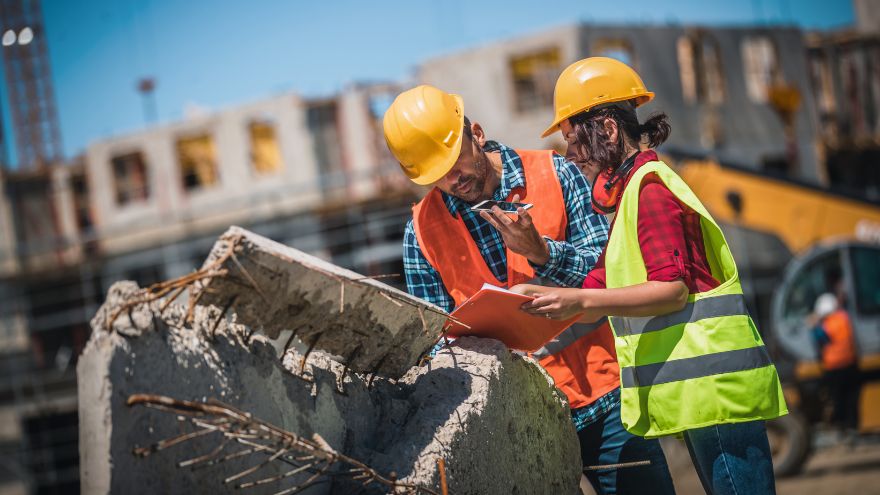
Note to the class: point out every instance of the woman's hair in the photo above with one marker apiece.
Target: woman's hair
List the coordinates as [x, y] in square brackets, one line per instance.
[592, 137]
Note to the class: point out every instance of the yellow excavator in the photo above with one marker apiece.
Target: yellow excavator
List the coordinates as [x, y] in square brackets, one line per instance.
[787, 237]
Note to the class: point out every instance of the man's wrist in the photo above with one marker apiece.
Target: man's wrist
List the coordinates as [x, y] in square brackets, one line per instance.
[543, 257]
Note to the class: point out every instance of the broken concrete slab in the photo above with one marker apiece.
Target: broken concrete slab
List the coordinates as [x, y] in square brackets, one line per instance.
[370, 326]
[159, 353]
[492, 415]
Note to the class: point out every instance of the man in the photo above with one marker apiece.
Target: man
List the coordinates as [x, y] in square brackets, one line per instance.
[450, 252]
[836, 344]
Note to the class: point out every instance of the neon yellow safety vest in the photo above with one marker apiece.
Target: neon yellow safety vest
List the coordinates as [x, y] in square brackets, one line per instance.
[701, 366]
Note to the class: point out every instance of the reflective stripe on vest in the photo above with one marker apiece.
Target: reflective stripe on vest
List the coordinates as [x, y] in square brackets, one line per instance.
[710, 307]
[568, 336]
[695, 367]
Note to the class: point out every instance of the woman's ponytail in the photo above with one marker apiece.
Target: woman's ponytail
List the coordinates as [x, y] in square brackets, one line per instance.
[656, 129]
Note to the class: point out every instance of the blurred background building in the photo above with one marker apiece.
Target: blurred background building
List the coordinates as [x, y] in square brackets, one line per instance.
[799, 108]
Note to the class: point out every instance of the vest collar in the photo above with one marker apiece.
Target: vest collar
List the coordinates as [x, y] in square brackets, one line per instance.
[641, 159]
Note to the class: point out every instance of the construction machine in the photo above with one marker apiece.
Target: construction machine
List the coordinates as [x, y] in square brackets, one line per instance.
[787, 237]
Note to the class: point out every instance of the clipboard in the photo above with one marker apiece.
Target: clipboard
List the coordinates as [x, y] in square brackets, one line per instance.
[494, 313]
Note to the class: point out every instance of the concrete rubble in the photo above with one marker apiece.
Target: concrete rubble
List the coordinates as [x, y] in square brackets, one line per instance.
[492, 415]
[275, 288]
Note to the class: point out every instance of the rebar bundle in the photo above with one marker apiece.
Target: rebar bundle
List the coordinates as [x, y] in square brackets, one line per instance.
[240, 435]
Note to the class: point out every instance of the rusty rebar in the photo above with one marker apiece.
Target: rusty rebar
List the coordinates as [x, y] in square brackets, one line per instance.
[621, 465]
[302, 365]
[345, 368]
[441, 467]
[316, 456]
[174, 286]
[222, 315]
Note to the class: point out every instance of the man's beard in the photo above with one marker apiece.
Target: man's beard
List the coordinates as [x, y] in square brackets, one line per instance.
[475, 183]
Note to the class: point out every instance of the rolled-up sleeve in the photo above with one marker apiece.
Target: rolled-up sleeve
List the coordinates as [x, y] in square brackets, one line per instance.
[595, 279]
[661, 233]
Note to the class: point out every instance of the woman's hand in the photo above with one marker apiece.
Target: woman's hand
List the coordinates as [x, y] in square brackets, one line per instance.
[556, 303]
[531, 289]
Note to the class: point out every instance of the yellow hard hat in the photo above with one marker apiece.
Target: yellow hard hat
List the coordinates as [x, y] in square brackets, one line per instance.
[423, 129]
[594, 81]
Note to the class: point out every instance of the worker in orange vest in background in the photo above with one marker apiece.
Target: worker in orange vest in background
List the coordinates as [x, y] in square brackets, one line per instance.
[836, 344]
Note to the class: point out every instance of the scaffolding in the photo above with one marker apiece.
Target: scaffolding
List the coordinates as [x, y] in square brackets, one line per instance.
[29, 82]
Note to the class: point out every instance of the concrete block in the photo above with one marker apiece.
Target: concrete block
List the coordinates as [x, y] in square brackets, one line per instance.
[273, 288]
[493, 416]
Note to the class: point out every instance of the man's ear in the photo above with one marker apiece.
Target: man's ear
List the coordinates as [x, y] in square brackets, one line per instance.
[478, 134]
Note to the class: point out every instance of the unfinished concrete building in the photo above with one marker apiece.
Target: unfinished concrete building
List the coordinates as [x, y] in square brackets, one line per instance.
[147, 206]
[43, 325]
[845, 72]
[714, 83]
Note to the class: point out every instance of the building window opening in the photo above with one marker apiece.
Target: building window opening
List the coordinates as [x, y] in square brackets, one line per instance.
[617, 49]
[700, 70]
[82, 209]
[322, 122]
[760, 67]
[534, 78]
[130, 178]
[198, 161]
[265, 152]
[822, 82]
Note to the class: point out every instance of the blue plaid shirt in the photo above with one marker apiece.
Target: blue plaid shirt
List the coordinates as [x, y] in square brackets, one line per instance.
[583, 417]
[570, 260]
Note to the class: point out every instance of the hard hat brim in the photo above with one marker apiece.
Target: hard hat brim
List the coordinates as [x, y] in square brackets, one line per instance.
[640, 100]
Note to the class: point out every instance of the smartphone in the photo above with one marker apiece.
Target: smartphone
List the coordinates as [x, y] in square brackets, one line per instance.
[505, 206]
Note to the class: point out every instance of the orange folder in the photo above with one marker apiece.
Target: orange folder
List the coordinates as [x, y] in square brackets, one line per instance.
[493, 313]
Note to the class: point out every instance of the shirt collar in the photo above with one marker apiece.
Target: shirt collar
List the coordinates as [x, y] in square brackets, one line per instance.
[642, 158]
[512, 176]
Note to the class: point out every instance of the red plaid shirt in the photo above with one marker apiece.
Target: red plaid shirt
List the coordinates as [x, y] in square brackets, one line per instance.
[669, 235]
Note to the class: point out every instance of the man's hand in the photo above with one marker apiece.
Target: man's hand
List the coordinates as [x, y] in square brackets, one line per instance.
[519, 234]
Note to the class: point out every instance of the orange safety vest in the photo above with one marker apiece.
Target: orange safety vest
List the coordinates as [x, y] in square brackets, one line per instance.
[582, 359]
[840, 352]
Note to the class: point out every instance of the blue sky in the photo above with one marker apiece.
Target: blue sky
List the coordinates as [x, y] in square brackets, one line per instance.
[215, 53]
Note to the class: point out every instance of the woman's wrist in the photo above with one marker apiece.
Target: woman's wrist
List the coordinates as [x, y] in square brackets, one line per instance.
[585, 301]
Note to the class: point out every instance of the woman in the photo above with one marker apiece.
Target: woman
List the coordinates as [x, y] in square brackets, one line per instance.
[692, 362]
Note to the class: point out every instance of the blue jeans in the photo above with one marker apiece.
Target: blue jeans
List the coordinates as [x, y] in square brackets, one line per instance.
[732, 459]
[605, 441]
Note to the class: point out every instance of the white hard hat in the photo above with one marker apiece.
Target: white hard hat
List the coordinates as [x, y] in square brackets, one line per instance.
[825, 305]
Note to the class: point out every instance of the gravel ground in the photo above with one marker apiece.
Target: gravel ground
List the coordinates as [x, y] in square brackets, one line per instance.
[837, 470]
[830, 471]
